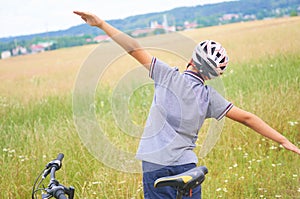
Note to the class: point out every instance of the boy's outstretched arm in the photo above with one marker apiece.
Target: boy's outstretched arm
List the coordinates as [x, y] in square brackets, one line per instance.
[258, 125]
[131, 46]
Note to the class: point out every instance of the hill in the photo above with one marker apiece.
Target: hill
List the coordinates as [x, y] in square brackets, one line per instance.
[177, 19]
[204, 15]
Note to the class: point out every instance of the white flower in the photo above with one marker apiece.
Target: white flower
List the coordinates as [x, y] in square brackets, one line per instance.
[292, 123]
[295, 175]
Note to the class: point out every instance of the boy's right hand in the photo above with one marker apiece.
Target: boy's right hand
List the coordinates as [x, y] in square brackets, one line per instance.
[90, 18]
[290, 146]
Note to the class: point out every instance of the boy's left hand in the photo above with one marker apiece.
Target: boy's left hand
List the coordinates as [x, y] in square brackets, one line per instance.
[90, 18]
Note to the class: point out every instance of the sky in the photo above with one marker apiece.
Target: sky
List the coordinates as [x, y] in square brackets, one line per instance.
[18, 17]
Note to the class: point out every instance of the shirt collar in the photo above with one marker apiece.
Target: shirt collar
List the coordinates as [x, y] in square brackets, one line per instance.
[195, 75]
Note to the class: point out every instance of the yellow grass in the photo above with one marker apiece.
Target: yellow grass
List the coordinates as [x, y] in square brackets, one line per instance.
[54, 72]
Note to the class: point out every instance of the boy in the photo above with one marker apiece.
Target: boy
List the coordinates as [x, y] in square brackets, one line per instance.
[181, 104]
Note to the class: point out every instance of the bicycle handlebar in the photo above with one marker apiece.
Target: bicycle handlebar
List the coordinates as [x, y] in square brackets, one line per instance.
[60, 157]
[54, 189]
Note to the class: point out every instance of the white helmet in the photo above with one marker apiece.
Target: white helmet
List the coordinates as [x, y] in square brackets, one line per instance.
[210, 58]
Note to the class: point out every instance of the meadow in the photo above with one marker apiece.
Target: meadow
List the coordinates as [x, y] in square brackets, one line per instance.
[37, 114]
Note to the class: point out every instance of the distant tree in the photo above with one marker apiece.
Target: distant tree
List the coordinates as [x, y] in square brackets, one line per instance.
[293, 13]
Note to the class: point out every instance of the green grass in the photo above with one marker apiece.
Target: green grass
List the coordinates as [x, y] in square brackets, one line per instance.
[36, 118]
[242, 165]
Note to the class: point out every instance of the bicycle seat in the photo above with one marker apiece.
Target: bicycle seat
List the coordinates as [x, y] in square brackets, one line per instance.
[184, 181]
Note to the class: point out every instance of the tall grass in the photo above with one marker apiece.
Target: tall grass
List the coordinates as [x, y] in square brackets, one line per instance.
[242, 165]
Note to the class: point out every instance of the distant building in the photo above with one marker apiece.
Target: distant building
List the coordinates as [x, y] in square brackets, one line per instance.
[19, 50]
[249, 17]
[100, 38]
[5, 54]
[37, 48]
[41, 46]
[228, 17]
[190, 25]
[154, 25]
[140, 32]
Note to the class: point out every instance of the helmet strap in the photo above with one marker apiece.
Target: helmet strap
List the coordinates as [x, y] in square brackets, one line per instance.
[196, 71]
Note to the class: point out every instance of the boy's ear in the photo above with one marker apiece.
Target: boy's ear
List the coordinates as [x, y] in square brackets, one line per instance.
[191, 63]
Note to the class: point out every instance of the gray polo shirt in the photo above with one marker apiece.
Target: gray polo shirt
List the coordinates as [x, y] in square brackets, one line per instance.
[180, 105]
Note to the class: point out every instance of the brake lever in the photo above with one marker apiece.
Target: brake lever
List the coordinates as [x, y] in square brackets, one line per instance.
[54, 163]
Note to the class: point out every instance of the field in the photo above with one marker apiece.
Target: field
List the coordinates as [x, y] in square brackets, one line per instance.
[40, 114]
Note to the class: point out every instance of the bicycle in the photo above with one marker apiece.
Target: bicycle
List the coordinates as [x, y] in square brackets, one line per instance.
[54, 188]
[184, 182]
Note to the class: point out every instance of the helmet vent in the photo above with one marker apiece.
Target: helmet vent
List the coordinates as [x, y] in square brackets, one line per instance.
[213, 50]
[205, 49]
[222, 61]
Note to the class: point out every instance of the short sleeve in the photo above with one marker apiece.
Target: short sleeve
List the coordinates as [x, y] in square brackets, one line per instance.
[160, 71]
[218, 105]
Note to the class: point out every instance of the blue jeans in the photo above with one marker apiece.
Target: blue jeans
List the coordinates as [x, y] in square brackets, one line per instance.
[151, 172]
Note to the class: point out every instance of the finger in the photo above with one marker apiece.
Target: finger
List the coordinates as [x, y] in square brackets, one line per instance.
[84, 19]
[77, 12]
[80, 13]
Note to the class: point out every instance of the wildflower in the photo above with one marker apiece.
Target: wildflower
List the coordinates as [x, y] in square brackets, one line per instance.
[277, 196]
[292, 123]
[101, 104]
[295, 175]
[12, 151]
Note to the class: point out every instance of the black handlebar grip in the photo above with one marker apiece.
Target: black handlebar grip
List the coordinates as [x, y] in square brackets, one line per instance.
[60, 194]
[60, 157]
[204, 169]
